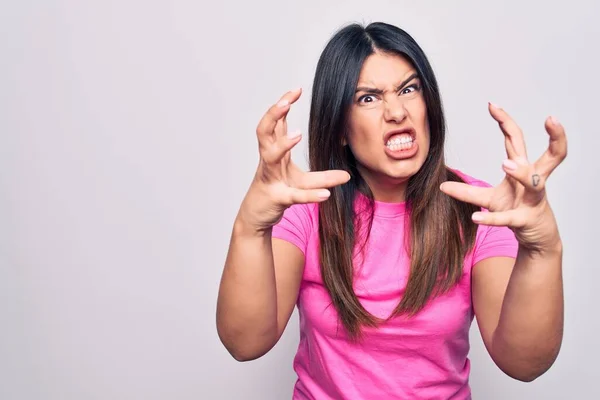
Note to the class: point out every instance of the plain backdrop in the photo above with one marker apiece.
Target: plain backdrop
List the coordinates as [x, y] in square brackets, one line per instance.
[127, 141]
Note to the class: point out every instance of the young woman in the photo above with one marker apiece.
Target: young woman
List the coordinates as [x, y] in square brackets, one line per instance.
[386, 251]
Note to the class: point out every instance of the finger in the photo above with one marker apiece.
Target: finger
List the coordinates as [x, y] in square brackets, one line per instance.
[478, 196]
[557, 149]
[281, 147]
[515, 218]
[526, 174]
[510, 151]
[281, 128]
[267, 124]
[301, 196]
[515, 143]
[321, 179]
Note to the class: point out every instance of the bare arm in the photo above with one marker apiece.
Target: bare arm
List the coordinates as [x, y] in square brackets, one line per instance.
[519, 309]
[519, 305]
[258, 291]
[262, 276]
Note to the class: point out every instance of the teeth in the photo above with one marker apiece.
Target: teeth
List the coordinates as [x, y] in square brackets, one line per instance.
[403, 146]
[400, 143]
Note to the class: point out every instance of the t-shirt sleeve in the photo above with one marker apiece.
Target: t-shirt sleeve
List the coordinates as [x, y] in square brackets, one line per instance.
[295, 226]
[495, 241]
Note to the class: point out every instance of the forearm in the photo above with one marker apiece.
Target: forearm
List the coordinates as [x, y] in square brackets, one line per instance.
[529, 333]
[247, 302]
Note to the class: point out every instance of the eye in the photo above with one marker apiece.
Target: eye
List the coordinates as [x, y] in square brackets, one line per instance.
[368, 98]
[411, 89]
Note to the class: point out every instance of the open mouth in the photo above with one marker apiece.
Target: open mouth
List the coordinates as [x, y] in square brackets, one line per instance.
[400, 139]
[400, 142]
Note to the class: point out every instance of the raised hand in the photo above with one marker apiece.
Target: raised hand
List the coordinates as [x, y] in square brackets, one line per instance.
[278, 182]
[520, 200]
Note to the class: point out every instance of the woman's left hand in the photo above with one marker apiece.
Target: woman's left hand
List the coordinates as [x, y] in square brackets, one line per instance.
[520, 200]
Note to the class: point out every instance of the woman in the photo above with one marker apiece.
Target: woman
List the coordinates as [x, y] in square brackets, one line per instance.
[388, 253]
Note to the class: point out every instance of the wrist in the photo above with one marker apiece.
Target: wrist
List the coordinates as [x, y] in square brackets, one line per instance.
[543, 238]
[243, 226]
[547, 249]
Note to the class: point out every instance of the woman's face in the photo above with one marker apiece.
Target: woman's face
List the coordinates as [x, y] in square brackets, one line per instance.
[389, 132]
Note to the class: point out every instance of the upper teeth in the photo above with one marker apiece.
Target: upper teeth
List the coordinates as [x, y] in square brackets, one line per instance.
[400, 140]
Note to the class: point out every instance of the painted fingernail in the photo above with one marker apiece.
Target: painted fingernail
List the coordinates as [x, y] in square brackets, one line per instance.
[510, 165]
[323, 194]
[477, 217]
[283, 103]
[554, 121]
[294, 134]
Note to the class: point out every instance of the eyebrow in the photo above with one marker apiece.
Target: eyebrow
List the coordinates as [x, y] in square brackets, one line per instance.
[379, 91]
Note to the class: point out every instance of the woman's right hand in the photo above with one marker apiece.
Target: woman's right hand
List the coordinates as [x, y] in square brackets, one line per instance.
[278, 182]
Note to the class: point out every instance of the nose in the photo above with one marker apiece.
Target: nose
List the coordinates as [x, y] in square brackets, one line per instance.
[394, 110]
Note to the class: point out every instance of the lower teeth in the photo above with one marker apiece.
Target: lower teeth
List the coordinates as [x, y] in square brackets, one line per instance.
[395, 147]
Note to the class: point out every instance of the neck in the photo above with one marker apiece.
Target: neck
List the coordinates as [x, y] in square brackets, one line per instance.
[384, 188]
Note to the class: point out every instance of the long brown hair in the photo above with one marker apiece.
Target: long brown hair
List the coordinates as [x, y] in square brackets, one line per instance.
[441, 230]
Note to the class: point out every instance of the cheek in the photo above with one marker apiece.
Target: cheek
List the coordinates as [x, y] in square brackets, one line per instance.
[420, 122]
[365, 131]
[418, 112]
[426, 134]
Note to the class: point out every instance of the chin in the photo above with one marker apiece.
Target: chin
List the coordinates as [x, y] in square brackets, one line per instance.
[392, 172]
[396, 177]
[403, 171]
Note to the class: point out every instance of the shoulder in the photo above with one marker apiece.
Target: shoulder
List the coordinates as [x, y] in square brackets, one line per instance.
[297, 225]
[307, 213]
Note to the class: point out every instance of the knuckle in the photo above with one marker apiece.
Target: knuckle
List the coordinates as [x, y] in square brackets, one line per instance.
[540, 187]
[563, 154]
[261, 129]
[261, 148]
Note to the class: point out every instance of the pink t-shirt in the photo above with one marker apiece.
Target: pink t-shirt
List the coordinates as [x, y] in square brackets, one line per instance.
[422, 357]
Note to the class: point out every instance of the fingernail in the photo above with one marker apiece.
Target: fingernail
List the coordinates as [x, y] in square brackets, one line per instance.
[477, 217]
[493, 105]
[554, 121]
[510, 165]
[323, 194]
[283, 103]
[294, 134]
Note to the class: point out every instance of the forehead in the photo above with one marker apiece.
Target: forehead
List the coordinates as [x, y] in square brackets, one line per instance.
[382, 69]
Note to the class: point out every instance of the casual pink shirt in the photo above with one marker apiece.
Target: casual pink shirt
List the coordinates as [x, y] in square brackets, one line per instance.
[423, 357]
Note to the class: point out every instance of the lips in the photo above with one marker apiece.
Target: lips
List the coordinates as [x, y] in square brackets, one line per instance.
[409, 131]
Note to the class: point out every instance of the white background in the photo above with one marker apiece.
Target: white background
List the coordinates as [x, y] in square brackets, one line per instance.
[127, 143]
